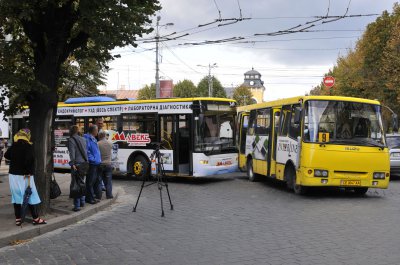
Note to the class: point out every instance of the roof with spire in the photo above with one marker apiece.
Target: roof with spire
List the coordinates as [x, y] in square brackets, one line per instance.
[252, 72]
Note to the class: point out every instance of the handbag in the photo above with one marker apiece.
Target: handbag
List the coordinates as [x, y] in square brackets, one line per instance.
[82, 168]
[77, 187]
[55, 190]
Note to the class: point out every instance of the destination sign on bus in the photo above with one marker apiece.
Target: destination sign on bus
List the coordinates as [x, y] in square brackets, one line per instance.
[87, 111]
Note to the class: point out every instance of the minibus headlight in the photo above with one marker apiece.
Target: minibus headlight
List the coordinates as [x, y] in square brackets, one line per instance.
[379, 175]
[204, 162]
[320, 173]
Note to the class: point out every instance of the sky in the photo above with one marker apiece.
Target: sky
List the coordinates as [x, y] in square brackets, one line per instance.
[290, 64]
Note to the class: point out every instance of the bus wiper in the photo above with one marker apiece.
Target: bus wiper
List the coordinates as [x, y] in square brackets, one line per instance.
[213, 148]
[361, 141]
[372, 143]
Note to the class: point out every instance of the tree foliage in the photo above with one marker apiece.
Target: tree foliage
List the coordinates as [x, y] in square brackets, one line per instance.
[80, 79]
[243, 96]
[147, 92]
[185, 89]
[371, 70]
[37, 40]
[217, 88]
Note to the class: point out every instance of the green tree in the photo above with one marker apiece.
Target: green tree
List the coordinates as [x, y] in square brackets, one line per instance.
[217, 88]
[184, 89]
[81, 79]
[372, 68]
[242, 95]
[147, 92]
[37, 37]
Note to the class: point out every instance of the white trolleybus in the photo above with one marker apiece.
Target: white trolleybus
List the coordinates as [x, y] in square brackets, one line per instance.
[196, 135]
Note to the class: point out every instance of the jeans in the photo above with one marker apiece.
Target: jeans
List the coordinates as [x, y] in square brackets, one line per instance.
[79, 202]
[106, 175]
[93, 185]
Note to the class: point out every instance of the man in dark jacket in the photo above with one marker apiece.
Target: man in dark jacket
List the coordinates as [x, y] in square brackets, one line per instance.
[78, 157]
[93, 182]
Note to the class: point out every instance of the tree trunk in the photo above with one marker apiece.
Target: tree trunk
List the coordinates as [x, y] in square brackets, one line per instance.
[41, 119]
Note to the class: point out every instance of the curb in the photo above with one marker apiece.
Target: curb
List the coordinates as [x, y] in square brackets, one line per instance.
[58, 222]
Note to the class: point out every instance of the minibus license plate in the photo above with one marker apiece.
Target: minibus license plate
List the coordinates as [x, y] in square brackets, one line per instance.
[350, 182]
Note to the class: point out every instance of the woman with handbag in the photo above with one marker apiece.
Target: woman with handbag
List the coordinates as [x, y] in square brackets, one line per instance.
[79, 166]
[21, 171]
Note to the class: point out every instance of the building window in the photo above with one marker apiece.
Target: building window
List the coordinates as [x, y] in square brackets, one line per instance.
[247, 76]
[257, 76]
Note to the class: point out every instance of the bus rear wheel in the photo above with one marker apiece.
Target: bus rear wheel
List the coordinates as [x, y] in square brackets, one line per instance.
[250, 171]
[140, 167]
[360, 191]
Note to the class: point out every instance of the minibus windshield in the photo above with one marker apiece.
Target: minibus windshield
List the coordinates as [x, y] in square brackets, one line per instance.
[343, 122]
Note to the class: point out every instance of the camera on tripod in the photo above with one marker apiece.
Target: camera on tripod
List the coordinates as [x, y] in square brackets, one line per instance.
[157, 171]
[156, 159]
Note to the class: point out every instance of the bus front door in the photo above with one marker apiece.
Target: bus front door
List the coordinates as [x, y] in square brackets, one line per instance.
[243, 125]
[175, 142]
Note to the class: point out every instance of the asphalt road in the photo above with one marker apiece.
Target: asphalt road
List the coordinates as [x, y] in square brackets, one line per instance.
[228, 221]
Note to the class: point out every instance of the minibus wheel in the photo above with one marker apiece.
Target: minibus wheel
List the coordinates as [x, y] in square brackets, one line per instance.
[360, 191]
[299, 189]
[250, 171]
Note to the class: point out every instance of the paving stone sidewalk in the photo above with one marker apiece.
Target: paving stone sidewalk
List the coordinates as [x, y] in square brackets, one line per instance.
[61, 213]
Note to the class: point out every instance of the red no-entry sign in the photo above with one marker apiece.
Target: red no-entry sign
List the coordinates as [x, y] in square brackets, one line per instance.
[329, 81]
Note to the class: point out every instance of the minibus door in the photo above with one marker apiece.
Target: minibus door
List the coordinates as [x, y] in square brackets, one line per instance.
[243, 126]
[274, 137]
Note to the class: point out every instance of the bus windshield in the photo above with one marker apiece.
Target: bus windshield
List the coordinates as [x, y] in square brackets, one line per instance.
[214, 132]
[343, 122]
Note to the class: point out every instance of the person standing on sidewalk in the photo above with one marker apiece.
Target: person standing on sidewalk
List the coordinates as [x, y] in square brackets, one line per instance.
[21, 171]
[105, 166]
[93, 183]
[78, 161]
[100, 126]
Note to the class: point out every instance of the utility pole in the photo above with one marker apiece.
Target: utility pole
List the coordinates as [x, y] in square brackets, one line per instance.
[158, 93]
[210, 79]
[157, 64]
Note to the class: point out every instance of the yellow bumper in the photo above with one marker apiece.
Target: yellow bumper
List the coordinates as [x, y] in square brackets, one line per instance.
[342, 179]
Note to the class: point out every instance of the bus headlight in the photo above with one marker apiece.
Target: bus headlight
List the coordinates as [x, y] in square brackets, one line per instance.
[379, 175]
[204, 162]
[321, 173]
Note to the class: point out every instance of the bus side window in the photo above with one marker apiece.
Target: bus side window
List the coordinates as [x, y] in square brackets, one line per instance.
[294, 130]
[285, 120]
[252, 124]
[263, 122]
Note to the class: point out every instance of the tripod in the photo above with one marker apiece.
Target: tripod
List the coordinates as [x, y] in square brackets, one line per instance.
[157, 171]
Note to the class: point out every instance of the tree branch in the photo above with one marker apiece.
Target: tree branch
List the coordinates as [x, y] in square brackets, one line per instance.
[80, 40]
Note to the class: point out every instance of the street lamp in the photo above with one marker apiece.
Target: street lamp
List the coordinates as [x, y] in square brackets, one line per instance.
[210, 83]
[157, 62]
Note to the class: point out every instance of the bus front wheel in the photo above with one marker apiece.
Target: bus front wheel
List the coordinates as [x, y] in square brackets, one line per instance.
[250, 171]
[291, 179]
[140, 167]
